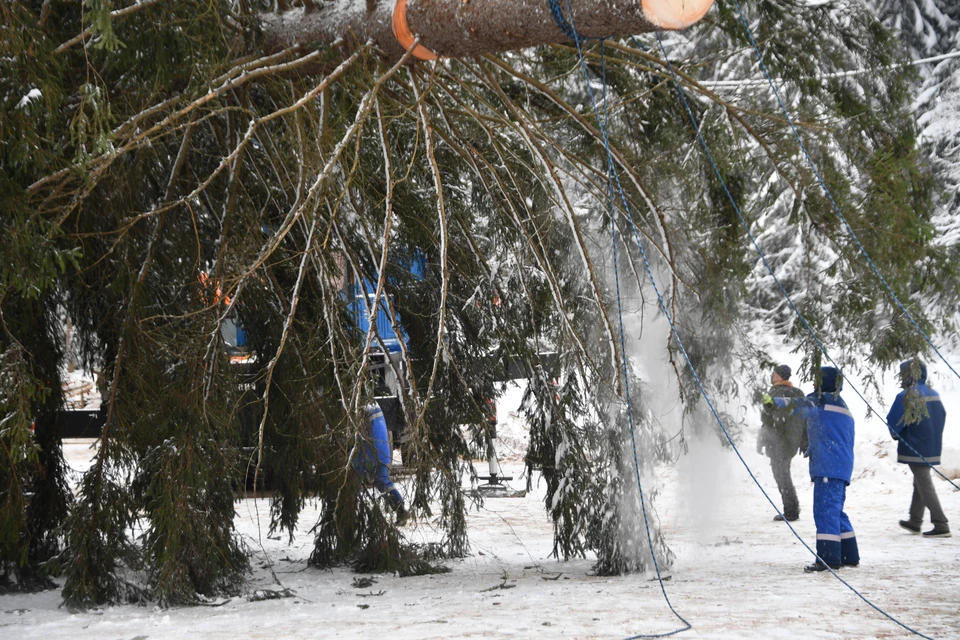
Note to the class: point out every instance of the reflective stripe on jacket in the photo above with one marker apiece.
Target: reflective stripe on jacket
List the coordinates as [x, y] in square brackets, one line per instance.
[830, 429]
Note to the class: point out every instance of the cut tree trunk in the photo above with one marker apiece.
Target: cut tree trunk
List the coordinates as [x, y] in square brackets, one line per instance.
[463, 28]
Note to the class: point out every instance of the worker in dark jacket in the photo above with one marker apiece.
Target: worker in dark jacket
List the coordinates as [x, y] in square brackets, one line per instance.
[830, 430]
[916, 419]
[782, 435]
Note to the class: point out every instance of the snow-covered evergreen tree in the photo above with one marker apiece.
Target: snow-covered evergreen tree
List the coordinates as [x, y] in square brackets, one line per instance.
[930, 30]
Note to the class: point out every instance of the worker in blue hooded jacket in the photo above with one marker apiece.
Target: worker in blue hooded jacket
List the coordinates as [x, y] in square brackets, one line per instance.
[916, 419]
[830, 430]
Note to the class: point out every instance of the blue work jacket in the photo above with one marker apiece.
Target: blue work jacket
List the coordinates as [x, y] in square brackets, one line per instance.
[830, 429]
[919, 438]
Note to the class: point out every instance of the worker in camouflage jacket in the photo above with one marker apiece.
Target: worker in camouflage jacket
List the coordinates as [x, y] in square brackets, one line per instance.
[782, 435]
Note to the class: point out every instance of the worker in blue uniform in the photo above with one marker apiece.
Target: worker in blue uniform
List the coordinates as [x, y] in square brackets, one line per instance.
[830, 431]
[916, 420]
[373, 463]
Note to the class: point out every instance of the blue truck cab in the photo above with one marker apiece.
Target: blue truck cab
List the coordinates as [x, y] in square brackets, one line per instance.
[388, 365]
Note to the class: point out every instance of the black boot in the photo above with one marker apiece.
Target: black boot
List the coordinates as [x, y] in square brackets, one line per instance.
[819, 566]
[938, 531]
[910, 526]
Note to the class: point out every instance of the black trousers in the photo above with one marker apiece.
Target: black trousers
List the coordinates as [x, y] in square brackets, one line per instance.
[924, 496]
[780, 464]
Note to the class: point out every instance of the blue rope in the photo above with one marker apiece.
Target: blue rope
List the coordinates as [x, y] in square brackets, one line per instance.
[562, 23]
[763, 258]
[567, 27]
[829, 195]
[611, 176]
[746, 227]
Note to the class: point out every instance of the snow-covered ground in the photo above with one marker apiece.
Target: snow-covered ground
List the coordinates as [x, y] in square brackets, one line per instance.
[80, 390]
[737, 573]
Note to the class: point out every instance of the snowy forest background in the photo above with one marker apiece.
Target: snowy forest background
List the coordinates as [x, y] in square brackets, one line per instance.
[126, 175]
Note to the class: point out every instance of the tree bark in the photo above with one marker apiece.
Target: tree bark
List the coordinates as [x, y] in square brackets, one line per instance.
[463, 28]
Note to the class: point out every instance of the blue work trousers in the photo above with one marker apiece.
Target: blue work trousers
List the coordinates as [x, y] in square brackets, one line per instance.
[374, 456]
[836, 540]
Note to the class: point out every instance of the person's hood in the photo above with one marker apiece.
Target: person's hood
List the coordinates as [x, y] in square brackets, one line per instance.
[831, 380]
[910, 368]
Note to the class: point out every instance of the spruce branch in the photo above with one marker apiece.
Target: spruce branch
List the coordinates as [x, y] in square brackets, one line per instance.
[288, 323]
[569, 212]
[240, 75]
[86, 33]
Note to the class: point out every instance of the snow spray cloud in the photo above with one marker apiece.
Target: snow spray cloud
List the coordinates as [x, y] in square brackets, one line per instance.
[657, 418]
[671, 421]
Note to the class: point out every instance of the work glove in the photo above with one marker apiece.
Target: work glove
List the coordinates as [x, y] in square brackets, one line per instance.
[767, 400]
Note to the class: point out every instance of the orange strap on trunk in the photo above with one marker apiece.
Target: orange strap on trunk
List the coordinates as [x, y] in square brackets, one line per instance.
[401, 31]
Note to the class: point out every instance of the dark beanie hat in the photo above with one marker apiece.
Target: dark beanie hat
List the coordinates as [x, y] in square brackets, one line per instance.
[783, 371]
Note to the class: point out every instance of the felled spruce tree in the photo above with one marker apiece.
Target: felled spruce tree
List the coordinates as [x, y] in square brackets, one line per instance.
[202, 174]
